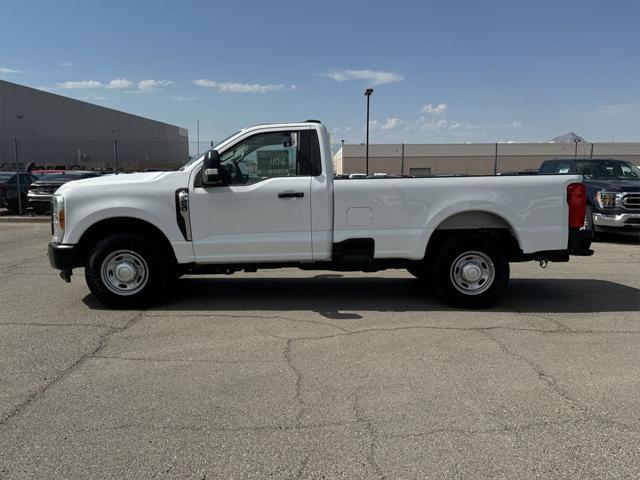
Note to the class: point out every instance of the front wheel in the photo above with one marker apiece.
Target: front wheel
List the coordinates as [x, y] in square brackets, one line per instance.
[471, 271]
[127, 271]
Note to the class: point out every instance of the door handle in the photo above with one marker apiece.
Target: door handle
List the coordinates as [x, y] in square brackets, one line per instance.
[290, 195]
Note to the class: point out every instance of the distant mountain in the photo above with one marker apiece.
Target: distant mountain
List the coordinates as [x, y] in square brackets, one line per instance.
[567, 138]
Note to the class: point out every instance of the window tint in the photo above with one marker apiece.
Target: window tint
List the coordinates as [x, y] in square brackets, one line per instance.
[272, 154]
[604, 169]
[548, 167]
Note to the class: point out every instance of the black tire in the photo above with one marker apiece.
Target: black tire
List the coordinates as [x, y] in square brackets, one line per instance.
[138, 251]
[470, 250]
[588, 222]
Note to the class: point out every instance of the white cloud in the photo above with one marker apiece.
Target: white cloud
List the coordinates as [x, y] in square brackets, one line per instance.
[8, 71]
[93, 98]
[437, 110]
[119, 83]
[236, 87]
[151, 85]
[180, 98]
[393, 123]
[79, 84]
[371, 77]
[64, 64]
[143, 86]
[437, 125]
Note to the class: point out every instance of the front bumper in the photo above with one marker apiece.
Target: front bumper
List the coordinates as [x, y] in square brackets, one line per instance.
[616, 220]
[39, 198]
[61, 256]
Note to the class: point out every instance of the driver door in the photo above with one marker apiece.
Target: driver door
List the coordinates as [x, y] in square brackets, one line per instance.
[262, 213]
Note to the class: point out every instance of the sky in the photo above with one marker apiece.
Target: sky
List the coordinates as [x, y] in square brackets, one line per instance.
[442, 71]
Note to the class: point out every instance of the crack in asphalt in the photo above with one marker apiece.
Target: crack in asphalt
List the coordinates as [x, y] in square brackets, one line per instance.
[8, 268]
[433, 327]
[298, 398]
[198, 428]
[180, 360]
[373, 434]
[559, 325]
[102, 341]
[255, 316]
[481, 431]
[546, 378]
[41, 324]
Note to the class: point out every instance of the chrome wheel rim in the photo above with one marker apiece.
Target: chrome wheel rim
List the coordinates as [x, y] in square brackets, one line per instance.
[124, 272]
[472, 273]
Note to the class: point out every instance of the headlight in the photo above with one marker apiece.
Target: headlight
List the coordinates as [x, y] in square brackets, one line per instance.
[606, 199]
[58, 218]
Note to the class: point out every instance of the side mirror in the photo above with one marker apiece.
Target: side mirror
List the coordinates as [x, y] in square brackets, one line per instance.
[211, 169]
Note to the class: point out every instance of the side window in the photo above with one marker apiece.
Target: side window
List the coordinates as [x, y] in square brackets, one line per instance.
[548, 167]
[272, 154]
[261, 156]
[563, 167]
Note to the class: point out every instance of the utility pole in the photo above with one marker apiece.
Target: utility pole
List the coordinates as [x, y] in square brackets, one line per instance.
[495, 160]
[402, 162]
[576, 141]
[15, 152]
[115, 155]
[367, 93]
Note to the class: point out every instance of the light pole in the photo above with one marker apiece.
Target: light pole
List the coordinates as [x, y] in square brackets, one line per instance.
[115, 151]
[576, 141]
[367, 93]
[18, 186]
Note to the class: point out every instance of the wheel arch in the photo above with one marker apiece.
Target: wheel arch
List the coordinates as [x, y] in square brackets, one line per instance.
[110, 226]
[470, 222]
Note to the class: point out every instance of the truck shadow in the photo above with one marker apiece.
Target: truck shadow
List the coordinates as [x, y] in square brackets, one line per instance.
[341, 298]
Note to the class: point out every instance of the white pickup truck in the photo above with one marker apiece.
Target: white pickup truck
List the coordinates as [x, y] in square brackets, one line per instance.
[266, 197]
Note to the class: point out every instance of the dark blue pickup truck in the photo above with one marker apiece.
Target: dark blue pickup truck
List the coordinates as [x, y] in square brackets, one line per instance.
[613, 191]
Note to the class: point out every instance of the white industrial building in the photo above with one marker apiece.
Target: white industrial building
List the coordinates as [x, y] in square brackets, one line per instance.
[55, 131]
[470, 158]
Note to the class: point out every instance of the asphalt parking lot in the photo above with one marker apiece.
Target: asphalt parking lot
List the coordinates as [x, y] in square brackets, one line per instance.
[291, 374]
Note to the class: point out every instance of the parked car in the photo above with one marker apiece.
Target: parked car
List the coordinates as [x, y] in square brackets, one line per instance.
[42, 189]
[9, 190]
[613, 192]
[266, 198]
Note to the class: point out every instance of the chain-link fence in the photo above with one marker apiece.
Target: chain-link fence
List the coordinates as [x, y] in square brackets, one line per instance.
[470, 158]
[82, 154]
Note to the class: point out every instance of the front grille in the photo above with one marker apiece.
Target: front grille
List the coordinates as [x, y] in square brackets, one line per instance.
[631, 201]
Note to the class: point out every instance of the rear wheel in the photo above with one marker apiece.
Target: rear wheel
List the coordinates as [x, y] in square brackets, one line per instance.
[127, 270]
[470, 271]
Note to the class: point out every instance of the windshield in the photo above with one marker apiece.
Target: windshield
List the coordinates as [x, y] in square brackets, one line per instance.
[66, 176]
[607, 169]
[195, 158]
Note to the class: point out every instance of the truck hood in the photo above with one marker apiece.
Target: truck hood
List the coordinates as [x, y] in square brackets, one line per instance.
[614, 185]
[109, 180]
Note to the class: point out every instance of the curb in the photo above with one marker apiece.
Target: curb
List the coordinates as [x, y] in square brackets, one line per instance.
[25, 219]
